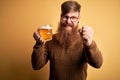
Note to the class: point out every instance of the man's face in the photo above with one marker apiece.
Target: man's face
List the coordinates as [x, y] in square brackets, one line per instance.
[70, 20]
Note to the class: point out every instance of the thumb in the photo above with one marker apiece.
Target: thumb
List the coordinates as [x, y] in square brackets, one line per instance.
[80, 30]
[36, 35]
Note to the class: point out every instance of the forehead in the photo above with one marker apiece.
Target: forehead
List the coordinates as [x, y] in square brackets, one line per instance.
[72, 14]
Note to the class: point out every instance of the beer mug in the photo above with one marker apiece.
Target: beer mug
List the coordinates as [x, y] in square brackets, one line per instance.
[45, 32]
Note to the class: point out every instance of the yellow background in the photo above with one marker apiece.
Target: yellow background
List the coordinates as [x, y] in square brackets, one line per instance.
[20, 18]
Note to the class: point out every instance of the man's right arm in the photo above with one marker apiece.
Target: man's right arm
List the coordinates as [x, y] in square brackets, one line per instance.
[39, 55]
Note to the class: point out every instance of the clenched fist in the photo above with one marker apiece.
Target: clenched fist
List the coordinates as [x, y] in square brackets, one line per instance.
[87, 35]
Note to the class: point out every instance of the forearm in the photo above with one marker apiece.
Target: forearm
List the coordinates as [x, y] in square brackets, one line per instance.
[39, 56]
[94, 56]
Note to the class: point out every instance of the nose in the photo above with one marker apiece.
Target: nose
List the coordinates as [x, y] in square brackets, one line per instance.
[68, 20]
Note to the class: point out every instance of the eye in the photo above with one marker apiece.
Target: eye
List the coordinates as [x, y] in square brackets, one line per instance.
[65, 17]
[73, 17]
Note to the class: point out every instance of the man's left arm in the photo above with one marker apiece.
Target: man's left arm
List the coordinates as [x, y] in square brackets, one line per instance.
[93, 55]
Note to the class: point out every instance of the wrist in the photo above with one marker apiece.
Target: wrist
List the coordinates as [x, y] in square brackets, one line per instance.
[92, 45]
[39, 41]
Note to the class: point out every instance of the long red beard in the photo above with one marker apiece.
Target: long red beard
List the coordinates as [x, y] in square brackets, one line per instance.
[67, 38]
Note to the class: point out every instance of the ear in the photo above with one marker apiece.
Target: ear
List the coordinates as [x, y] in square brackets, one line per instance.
[79, 18]
[61, 15]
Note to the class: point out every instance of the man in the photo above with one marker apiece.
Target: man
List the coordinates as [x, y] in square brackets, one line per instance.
[70, 49]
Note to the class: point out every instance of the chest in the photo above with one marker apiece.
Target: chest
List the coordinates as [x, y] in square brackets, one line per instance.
[63, 56]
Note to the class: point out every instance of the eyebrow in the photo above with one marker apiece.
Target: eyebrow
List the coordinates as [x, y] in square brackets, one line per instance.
[70, 16]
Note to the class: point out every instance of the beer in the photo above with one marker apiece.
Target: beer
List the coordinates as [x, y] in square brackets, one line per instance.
[45, 32]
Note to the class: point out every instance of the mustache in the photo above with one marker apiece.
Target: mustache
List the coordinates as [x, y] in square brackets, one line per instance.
[67, 24]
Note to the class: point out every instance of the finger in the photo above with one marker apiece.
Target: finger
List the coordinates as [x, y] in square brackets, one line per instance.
[88, 30]
[36, 35]
[86, 37]
[87, 34]
[40, 39]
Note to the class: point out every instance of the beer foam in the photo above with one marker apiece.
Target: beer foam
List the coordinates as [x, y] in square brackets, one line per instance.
[45, 27]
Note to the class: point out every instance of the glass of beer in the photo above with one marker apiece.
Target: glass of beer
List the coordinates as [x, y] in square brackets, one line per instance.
[45, 32]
